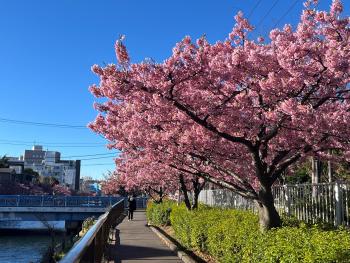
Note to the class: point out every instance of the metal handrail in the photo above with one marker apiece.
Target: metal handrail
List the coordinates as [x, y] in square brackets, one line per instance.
[91, 246]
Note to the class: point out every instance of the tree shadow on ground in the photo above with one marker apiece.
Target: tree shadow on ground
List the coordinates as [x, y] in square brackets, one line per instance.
[115, 252]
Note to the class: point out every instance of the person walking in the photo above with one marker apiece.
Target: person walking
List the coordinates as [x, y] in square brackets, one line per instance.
[131, 207]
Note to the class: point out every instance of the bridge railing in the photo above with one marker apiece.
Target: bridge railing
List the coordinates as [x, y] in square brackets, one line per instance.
[91, 246]
[57, 201]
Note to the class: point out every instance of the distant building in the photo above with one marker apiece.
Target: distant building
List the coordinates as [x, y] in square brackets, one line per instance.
[49, 163]
[88, 185]
[16, 164]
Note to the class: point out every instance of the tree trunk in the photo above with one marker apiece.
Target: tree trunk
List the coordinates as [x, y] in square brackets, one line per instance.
[268, 215]
[159, 194]
[316, 175]
[195, 201]
[197, 188]
[330, 169]
[316, 171]
[184, 191]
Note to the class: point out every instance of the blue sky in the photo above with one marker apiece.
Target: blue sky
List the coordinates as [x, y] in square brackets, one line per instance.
[48, 47]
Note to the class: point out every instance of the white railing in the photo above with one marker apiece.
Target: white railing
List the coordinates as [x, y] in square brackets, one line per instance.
[328, 202]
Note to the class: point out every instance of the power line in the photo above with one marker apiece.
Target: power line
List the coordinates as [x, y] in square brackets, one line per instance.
[268, 12]
[95, 158]
[44, 124]
[286, 13]
[35, 142]
[253, 9]
[96, 164]
[84, 159]
[86, 155]
[88, 159]
[58, 146]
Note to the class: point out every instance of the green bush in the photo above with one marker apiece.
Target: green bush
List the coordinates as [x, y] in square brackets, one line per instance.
[158, 214]
[292, 244]
[88, 223]
[234, 236]
[181, 220]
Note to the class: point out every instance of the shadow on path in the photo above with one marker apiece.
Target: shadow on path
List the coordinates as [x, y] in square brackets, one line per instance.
[134, 242]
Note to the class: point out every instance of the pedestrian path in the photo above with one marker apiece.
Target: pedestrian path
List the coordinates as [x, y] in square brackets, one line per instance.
[135, 242]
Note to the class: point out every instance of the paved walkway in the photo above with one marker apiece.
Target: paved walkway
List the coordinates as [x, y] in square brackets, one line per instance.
[135, 242]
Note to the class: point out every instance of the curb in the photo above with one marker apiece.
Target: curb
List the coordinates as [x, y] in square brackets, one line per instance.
[180, 253]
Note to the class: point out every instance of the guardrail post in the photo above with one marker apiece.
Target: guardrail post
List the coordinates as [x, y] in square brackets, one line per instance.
[338, 194]
[17, 200]
[42, 200]
[110, 200]
[88, 201]
[65, 201]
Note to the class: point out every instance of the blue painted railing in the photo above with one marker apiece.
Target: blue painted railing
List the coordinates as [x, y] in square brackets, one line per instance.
[64, 201]
[57, 201]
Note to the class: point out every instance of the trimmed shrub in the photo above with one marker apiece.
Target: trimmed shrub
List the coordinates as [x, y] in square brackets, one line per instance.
[159, 214]
[181, 219]
[292, 244]
[234, 236]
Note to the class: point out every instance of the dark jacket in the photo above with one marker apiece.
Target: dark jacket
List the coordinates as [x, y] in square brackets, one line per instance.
[132, 204]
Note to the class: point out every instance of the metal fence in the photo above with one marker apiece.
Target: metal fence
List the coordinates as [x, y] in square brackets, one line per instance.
[141, 202]
[57, 201]
[328, 202]
[65, 201]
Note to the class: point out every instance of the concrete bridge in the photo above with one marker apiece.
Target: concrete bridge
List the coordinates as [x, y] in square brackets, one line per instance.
[61, 213]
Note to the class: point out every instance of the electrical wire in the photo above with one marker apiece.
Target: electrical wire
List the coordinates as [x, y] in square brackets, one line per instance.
[253, 9]
[95, 158]
[267, 13]
[97, 164]
[109, 155]
[286, 13]
[35, 142]
[44, 124]
[58, 146]
[86, 155]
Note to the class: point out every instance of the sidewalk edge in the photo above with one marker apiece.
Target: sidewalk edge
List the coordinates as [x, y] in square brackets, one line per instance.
[180, 253]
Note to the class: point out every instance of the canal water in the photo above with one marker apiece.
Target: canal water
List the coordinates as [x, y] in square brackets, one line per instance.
[22, 248]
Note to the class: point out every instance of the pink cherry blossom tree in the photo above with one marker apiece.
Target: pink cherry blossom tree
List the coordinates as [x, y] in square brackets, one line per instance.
[143, 171]
[238, 112]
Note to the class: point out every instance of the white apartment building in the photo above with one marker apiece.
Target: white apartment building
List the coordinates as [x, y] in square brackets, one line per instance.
[49, 163]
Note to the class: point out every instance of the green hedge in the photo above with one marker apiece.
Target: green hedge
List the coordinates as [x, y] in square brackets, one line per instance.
[233, 236]
[159, 214]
